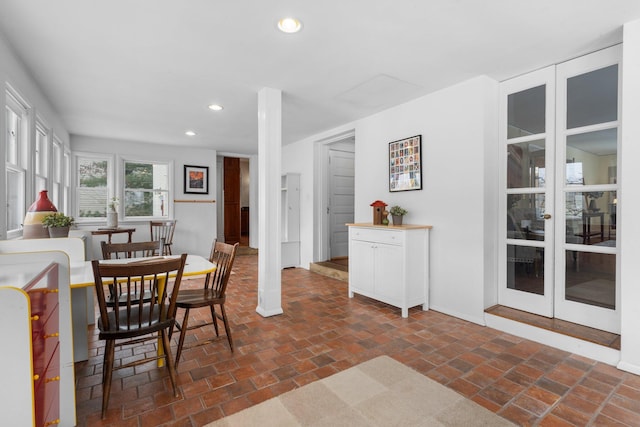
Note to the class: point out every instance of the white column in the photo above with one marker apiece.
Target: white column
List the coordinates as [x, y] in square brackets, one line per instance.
[269, 183]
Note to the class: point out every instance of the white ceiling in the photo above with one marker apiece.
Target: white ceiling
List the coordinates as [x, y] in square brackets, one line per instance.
[145, 70]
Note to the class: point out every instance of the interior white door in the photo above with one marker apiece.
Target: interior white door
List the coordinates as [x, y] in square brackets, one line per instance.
[341, 200]
[527, 181]
[587, 290]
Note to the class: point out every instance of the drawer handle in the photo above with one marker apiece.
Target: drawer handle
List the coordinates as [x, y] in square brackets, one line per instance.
[49, 380]
[50, 423]
[34, 318]
[36, 377]
[53, 335]
[52, 291]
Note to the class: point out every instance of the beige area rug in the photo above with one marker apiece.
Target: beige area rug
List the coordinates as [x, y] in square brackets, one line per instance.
[379, 392]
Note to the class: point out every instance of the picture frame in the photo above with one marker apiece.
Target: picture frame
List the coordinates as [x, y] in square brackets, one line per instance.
[196, 179]
[405, 164]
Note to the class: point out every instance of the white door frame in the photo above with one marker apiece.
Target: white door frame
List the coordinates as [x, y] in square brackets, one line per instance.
[553, 303]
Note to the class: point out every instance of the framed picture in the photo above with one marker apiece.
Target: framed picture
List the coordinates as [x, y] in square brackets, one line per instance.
[405, 164]
[196, 179]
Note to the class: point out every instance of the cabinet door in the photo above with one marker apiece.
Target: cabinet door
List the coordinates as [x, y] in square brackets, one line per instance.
[361, 265]
[389, 271]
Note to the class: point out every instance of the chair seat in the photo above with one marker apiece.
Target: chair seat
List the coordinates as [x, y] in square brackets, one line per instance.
[195, 298]
[157, 321]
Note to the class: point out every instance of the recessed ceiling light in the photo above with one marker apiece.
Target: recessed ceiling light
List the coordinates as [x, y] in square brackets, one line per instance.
[216, 107]
[289, 25]
[190, 133]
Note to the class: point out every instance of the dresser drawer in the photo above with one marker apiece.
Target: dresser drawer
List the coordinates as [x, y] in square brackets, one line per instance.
[45, 342]
[43, 301]
[47, 394]
[377, 235]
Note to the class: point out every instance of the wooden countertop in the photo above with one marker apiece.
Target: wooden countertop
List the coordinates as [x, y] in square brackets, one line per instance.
[390, 226]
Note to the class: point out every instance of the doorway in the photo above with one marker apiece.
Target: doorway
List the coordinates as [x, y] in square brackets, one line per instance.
[334, 167]
[341, 201]
[234, 200]
[340, 196]
[559, 129]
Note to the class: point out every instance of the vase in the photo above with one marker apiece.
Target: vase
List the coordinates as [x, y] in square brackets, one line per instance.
[397, 219]
[33, 228]
[55, 232]
[112, 219]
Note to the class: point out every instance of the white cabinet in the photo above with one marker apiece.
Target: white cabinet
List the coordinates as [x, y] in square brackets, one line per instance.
[390, 264]
[290, 220]
[35, 319]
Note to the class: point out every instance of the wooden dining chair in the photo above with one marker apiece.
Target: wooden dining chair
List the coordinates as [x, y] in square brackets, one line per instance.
[213, 293]
[129, 250]
[136, 320]
[163, 230]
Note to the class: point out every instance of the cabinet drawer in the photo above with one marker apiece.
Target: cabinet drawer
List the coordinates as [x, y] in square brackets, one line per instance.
[45, 343]
[47, 397]
[43, 301]
[47, 369]
[377, 235]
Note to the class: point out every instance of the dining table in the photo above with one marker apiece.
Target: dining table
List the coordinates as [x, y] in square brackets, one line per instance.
[82, 278]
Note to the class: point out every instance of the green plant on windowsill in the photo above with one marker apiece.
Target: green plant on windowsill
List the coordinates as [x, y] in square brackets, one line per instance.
[56, 220]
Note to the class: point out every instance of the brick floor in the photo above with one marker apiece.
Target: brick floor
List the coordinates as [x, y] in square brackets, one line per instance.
[322, 332]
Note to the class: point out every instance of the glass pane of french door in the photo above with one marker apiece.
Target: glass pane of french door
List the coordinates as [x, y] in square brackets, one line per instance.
[587, 140]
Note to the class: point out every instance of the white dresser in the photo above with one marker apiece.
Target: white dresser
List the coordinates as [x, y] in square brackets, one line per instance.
[35, 327]
[390, 264]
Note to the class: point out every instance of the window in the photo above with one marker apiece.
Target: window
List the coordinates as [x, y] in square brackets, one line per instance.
[41, 156]
[92, 186]
[146, 189]
[66, 181]
[16, 162]
[56, 175]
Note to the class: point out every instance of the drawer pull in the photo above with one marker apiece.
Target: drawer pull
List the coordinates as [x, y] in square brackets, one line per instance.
[34, 318]
[36, 377]
[53, 335]
[49, 380]
[51, 423]
[52, 291]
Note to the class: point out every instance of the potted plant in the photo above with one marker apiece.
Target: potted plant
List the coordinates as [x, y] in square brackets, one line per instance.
[397, 213]
[112, 214]
[58, 224]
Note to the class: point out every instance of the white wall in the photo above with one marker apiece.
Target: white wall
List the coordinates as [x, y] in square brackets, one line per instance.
[629, 200]
[14, 73]
[196, 227]
[454, 124]
[459, 145]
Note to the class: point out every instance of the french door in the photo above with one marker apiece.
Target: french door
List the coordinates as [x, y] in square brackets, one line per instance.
[559, 135]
